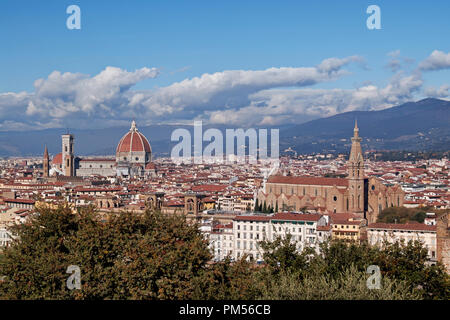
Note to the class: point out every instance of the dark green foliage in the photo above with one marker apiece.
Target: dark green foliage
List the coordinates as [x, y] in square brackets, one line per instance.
[226, 280]
[405, 215]
[419, 216]
[281, 254]
[155, 256]
[405, 264]
[129, 256]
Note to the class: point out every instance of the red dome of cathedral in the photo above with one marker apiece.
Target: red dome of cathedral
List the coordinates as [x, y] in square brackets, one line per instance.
[133, 141]
[57, 159]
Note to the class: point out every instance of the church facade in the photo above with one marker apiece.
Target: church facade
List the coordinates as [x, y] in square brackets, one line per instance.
[356, 193]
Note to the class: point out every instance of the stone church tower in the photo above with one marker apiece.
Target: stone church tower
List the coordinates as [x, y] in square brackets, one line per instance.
[364, 196]
[45, 163]
[67, 155]
[356, 175]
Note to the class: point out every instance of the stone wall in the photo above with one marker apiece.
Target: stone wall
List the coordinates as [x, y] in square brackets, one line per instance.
[443, 240]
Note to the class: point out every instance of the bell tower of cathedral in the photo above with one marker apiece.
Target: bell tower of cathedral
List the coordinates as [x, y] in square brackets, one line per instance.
[356, 174]
[67, 155]
[45, 163]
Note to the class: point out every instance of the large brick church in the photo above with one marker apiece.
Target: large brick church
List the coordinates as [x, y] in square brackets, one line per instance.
[356, 193]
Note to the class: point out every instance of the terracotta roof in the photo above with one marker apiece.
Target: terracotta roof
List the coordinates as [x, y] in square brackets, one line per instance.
[252, 218]
[133, 140]
[405, 226]
[29, 201]
[209, 188]
[57, 159]
[150, 166]
[296, 216]
[315, 181]
[324, 228]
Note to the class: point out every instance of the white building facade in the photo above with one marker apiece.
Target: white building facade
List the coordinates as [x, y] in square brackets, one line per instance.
[306, 230]
[5, 237]
[377, 233]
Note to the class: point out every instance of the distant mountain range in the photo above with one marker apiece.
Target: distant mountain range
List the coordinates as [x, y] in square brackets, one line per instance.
[415, 126]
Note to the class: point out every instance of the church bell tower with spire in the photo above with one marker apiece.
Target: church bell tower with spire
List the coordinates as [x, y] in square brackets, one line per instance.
[356, 174]
[45, 163]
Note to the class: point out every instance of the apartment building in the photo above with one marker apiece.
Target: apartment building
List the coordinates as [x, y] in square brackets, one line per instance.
[305, 230]
[221, 241]
[377, 233]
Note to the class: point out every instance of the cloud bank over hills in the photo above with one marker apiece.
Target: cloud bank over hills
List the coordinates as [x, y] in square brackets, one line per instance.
[273, 96]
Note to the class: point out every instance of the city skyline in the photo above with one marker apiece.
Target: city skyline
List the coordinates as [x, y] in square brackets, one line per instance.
[213, 151]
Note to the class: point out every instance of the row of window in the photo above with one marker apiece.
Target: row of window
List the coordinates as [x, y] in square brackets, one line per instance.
[244, 245]
[298, 230]
[342, 227]
[244, 236]
[90, 166]
[250, 228]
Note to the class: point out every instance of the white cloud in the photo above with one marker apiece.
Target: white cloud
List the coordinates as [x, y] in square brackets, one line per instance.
[62, 94]
[301, 105]
[62, 98]
[242, 97]
[441, 92]
[231, 88]
[438, 60]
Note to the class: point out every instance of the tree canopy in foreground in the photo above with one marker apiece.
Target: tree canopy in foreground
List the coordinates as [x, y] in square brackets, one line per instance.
[157, 256]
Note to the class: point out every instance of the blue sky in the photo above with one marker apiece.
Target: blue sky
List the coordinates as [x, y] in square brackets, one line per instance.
[187, 39]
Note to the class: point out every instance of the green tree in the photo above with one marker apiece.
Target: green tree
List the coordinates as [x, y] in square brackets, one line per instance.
[282, 254]
[349, 284]
[226, 280]
[257, 205]
[419, 216]
[122, 256]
